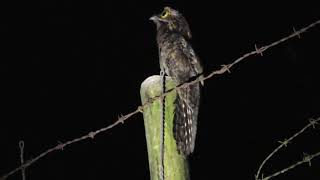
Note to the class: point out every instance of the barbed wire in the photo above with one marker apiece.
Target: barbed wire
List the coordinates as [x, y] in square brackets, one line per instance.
[306, 158]
[222, 70]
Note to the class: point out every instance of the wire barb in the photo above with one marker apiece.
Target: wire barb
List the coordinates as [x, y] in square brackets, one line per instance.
[284, 143]
[296, 33]
[60, 145]
[226, 67]
[92, 134]
[258, 50]
[313, 122]
[306, 158]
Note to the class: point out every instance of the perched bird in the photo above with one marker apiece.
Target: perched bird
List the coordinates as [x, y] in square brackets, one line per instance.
[179, 61]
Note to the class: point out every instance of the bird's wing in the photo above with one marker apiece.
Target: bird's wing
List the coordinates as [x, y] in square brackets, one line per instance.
[192, 57]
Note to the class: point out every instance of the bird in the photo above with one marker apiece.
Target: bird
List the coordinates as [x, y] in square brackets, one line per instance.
[179, 61]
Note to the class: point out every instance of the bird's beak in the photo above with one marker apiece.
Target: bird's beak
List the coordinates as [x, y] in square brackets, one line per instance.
[154, 18]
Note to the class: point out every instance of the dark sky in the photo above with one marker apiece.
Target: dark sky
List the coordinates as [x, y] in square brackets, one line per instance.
[70, 67]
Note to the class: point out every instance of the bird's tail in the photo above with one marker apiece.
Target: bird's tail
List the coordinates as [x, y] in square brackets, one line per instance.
[185, 118]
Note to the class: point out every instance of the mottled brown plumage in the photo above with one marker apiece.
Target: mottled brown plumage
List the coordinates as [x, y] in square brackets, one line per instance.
[179, 61]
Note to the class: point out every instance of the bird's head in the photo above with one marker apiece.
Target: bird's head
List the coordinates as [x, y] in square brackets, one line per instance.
[173, 21]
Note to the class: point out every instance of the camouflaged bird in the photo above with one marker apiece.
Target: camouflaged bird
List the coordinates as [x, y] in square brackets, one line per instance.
[179, 61]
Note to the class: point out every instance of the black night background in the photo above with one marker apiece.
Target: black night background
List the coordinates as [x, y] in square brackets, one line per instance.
[71, 67]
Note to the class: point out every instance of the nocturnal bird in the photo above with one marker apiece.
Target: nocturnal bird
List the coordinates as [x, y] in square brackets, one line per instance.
[179, 61]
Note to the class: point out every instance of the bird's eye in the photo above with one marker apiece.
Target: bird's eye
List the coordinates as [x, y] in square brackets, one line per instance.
[164, 14]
